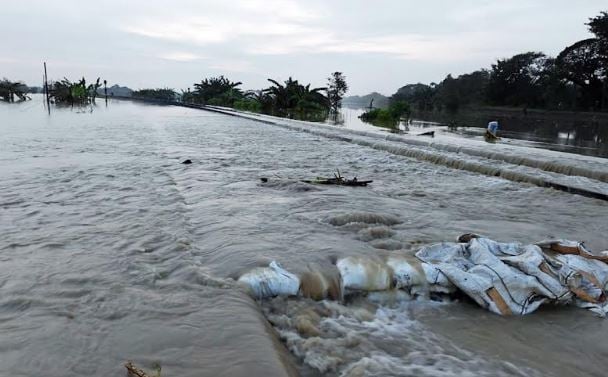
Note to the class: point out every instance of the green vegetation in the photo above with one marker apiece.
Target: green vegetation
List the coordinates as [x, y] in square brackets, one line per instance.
[336, 88]
[294, 100]
[248, 104]
[576, 80]
[288, 99]
[11, 89]
[160, 94]
[218, 91]
[65, 92]
[389, 117]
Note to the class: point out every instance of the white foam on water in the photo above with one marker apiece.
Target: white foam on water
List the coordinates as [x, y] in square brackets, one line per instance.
[363, 339]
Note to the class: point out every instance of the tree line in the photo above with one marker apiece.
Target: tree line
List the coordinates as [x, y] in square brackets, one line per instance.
[577, 79]
[289, 98]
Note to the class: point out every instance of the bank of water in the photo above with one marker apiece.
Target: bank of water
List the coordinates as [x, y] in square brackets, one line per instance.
[113, 250]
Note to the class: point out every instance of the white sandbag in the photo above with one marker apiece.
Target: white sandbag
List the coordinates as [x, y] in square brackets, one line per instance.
[271, 281]
[407, 272]
[364, 274]
[436, 280]
[416, 277]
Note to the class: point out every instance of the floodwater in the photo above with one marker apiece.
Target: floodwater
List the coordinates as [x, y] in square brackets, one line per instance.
[112, 250]
[579, 134]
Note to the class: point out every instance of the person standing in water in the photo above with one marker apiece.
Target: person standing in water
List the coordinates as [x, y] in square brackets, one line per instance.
[493, 127]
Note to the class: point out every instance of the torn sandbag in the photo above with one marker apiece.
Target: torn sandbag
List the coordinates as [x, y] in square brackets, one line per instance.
[511, 278]
[319, 283]
[364, 274]
[271, 281]
[419, 279]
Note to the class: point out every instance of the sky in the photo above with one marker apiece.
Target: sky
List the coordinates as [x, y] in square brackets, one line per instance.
[379, 45]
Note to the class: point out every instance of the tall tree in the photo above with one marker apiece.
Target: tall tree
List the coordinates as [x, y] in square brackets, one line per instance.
[517, 81]
[581, 64]
[336, 89]
[599, 26]
[585, 65]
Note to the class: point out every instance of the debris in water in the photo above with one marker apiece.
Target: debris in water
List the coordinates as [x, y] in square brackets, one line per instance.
[337, 179]
[132, 370]
[187, 162]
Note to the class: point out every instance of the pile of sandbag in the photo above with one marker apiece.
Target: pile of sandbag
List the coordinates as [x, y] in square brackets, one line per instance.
[505, 278]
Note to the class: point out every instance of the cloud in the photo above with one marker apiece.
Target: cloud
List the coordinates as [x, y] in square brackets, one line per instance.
[232, 66]
[181, 56]
[222, 22]
[456, 46]
[191, 31]
[275, 27]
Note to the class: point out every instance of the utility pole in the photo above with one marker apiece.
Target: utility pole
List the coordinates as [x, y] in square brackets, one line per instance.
[46, 89]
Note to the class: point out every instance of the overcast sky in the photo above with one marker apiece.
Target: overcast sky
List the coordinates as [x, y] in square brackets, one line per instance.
[379, 45]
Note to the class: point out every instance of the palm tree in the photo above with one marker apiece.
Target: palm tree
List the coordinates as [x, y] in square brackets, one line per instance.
[292, 97]
[261, 97]
[217, 91]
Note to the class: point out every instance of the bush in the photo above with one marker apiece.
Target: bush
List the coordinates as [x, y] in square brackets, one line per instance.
[395, 112]
[248, 105]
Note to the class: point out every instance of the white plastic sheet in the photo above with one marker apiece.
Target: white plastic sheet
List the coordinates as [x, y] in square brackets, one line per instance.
[511, 278]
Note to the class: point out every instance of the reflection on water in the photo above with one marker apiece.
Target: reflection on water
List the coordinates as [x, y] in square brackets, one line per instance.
[567, 132]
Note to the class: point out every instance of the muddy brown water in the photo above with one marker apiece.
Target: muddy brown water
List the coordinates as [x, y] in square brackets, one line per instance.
[112, 250]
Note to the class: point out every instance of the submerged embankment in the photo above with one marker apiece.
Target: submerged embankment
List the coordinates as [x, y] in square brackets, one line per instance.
[113, 250]
[572, 173]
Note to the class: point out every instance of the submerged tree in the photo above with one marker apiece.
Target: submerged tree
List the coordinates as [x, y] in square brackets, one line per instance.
[11, 89]
[390, 117]
[65, 92]
[159, 94]
[336, 89]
